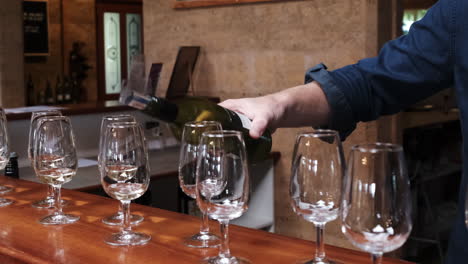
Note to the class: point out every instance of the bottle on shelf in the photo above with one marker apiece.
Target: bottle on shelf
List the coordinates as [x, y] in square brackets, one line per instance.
[11, 169]
[49, 94]
[75, 90]
[67, 93]
[59, 91]
[41, 97]
[30, 93]
[179, 111]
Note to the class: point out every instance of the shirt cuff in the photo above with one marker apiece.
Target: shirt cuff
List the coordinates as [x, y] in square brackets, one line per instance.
[341, 118]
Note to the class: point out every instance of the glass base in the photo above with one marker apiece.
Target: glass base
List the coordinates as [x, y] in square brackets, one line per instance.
[127, 239]
[5, 202]
[313, 261]
[224, 260]
[59, 219]
[117, 219]
[200, 240]
[5, 189]
[47, 203]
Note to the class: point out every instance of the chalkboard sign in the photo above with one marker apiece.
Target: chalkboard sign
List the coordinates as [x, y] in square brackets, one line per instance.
[36, 27]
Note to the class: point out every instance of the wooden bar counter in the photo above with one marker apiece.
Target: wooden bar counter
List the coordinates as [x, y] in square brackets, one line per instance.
[24, 240]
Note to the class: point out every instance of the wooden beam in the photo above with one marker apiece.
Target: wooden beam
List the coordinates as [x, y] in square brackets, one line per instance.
[184, 4]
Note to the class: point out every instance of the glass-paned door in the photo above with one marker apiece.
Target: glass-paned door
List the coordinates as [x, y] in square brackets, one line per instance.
[112, 52]
[134, 45]
[119, 30]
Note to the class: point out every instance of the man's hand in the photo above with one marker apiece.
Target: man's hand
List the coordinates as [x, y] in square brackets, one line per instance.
[264, 112]
[303, 105]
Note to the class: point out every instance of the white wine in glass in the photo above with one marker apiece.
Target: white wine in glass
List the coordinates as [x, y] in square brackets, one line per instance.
[124, 173]
[49, 201]
[117, 218]
[4, 155]
[55, 161]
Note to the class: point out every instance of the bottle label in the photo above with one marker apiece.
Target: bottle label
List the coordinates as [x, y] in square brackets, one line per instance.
[138, 101]
[246, 122]
[67, 97]
[59, 97]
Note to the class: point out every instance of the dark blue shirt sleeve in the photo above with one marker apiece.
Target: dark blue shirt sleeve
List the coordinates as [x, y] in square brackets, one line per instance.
[407, 69]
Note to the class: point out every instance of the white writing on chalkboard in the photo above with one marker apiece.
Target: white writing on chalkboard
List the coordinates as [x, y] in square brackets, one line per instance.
[35, 27]
[33, 16]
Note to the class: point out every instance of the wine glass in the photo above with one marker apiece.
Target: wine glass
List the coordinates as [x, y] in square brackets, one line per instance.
[48, 201]
[4, 155]
[117, 218]
[222, 184]
[55, 161]
[376, 207]
[187, 171]
[316, 180]
[125, 174]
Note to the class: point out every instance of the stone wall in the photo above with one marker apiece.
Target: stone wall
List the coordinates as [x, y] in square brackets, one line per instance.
[11, 54]
[252, 50]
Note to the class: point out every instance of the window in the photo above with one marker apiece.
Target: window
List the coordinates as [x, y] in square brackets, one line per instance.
[410, 16]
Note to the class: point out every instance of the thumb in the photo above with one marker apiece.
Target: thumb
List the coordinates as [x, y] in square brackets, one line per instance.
[258, 127]
[229, 104]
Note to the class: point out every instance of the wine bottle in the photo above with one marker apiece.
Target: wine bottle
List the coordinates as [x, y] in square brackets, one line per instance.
[11, 169]
[75, 90]
[59, 91]
[30, 91]
[41, 99]
[181, 110]
[67, 96]
[49, 96]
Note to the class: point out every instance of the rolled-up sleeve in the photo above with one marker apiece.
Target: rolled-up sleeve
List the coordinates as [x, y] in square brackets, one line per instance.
[407, 69]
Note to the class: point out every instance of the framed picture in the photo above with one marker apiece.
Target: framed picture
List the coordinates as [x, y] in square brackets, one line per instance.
[36, 27]
[182, 4]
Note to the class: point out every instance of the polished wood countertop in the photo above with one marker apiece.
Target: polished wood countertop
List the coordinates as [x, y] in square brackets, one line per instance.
[24, 240]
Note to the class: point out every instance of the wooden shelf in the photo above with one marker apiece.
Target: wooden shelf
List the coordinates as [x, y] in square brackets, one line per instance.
[78, 109]
[417, 119]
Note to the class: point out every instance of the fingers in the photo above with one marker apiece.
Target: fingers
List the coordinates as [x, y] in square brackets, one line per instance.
[253, 110]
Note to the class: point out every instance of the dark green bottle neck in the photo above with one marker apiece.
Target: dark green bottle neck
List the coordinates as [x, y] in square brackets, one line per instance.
[162, 109]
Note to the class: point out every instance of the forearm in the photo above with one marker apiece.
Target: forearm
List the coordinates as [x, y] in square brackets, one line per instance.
[304, 105]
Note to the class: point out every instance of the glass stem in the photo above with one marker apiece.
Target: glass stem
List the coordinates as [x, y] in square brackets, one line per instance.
[50, 192]
[204, 227]
[120, 212]
[224, 247]
[126, 216]
[320, 245]
[377, 258]
[58, 199]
